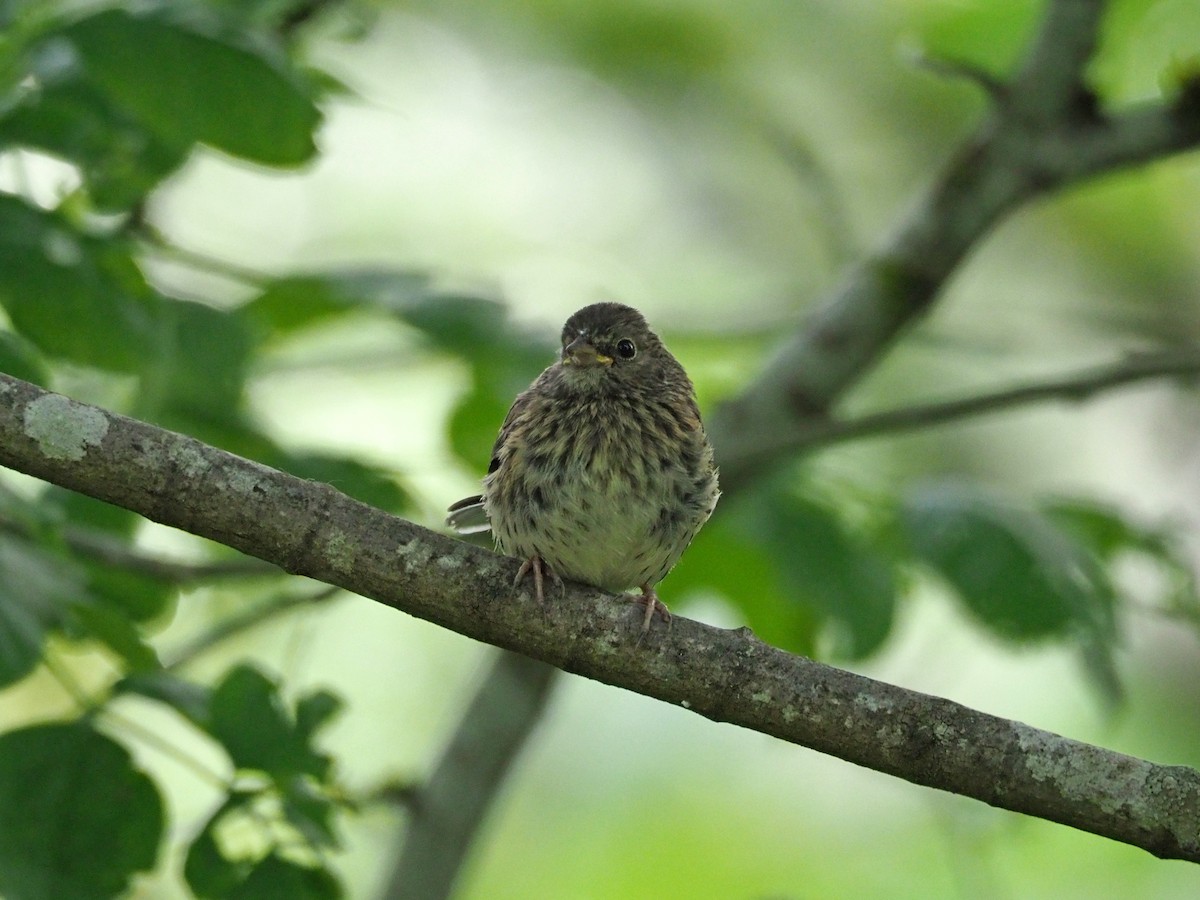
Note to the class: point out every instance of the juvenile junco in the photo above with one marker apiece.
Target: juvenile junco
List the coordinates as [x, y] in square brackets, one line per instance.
[602, 472]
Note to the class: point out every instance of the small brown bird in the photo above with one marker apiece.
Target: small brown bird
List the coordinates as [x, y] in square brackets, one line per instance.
[602, 472]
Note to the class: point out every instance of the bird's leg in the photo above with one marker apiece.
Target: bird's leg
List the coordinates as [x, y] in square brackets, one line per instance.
[653, 605]
[539, 569]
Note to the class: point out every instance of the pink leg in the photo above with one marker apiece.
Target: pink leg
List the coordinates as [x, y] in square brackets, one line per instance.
[653, 605]
[539, 569]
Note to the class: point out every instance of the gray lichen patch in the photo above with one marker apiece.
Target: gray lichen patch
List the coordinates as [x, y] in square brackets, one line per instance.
[63, 428]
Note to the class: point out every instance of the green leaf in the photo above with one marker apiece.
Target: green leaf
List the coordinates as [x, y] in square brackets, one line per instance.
[117, 632]
[201, 366]
[291, 304]
[277, 878]
[208, 872]
[20, 358]
[311, 813]
[188, 87]
[1019, 574]
[77, 820]
[52, 274]
[475, 423]
[217, 872]
[137, 597]
[119, 160]
[131, 594]
[822, 565]
[314, 711]
[728, 558]
[190, 700]
[359, 480]
[249, 719]
[86, 512]
[37, 588]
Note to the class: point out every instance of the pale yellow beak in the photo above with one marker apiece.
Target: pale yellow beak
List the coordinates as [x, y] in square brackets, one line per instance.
[580, 352]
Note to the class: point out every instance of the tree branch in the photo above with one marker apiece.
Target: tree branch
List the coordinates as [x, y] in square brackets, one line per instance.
[1044, 132]
[309, 528]
[448, 809]
[1181, 362]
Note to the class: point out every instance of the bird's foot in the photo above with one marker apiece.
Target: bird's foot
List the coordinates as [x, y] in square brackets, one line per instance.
[540, 570]
[653, 605]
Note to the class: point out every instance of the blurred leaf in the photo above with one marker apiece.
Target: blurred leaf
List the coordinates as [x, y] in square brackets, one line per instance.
[224, 868]
[990, 35]
[505, 359]
[358, 480]
[190, 700]
[277, 877]
[727, 558]
[1018, 573]
[311, 813]
[138, 597]
[119, 160]
[188, 87]
[20, 358]
[314, 711]
[52, 274]
[647, 43]
[37, 588]
[475, 328]
[208, 872]
[825, 567]
[130, 594]
[249, 719]
[86, 512]
[475, 423]
[291, 304]
[76, 818]
[1104, 528]
[203, 362]
[118, 633]
[230, 429]
[1111, 535]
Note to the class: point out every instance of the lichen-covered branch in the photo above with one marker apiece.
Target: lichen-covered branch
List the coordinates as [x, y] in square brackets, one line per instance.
[309, 528]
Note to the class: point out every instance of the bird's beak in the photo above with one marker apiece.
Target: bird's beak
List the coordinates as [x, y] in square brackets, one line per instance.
[581, 352]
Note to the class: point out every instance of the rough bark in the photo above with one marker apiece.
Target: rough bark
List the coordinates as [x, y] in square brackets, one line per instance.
[309, 528]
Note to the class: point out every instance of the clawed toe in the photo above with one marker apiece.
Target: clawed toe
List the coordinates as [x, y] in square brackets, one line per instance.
[540, 570]
[653, 605]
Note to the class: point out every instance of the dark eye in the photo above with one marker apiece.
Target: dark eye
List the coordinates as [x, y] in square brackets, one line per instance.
[626, 349]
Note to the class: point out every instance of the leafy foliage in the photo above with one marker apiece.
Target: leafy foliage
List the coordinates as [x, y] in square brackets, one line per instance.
[123, 95]
[77, 819]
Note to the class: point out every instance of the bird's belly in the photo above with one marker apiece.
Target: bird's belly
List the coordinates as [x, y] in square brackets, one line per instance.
[603, 533]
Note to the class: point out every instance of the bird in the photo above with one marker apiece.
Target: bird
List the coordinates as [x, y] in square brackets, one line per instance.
[602, 472]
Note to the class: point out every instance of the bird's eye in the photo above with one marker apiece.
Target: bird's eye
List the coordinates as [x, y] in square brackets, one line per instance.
[626, 349]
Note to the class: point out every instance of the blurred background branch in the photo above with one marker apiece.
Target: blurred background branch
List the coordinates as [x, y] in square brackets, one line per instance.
[1043, 133]
[1182, 363]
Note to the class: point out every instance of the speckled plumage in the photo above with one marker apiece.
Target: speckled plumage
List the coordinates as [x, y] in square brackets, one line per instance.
[602, 469]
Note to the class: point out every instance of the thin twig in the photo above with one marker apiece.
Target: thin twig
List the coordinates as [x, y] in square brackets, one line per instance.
[197, 260]
[244, 621]
[1077, 387]
[113, 551]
